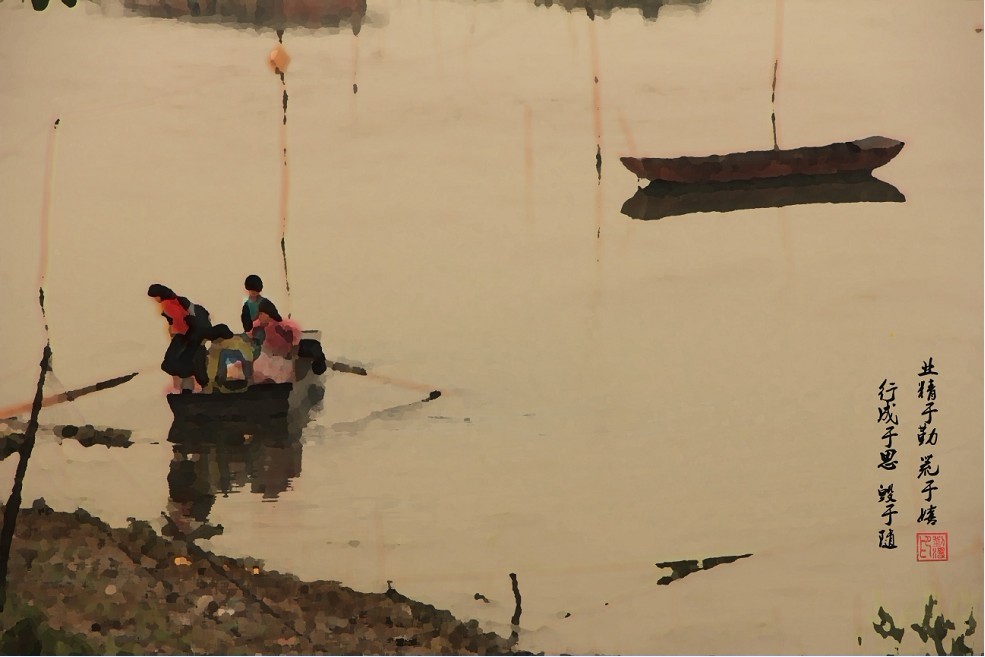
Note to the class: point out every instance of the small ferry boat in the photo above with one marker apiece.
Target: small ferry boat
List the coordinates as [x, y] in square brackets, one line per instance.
[255, 405]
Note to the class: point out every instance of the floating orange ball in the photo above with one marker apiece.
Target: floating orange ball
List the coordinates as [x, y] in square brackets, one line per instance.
[279, 59]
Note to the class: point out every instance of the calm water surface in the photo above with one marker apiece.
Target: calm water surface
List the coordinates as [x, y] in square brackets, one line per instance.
[616, 392]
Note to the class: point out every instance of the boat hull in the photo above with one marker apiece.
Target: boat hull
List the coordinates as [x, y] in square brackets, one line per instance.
[259, 403]
[861, 155]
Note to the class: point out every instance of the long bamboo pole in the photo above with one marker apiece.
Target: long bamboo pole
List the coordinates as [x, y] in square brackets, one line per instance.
[279, 59]
[13, 505]
[68, 396]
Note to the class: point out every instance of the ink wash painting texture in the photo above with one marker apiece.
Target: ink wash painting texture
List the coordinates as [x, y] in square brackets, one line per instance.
[621, 386]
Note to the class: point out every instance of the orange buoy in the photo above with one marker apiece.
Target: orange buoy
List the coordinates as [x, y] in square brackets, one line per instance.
[279, 59]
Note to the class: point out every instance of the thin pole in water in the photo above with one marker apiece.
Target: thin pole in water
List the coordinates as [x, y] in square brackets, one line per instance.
[596, 92]
[777, 42]
[49, 174]
[597, 121]
[68, 396]
[280, 64]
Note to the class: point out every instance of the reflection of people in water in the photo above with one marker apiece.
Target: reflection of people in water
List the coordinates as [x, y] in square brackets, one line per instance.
[202, 470]
[191, 497]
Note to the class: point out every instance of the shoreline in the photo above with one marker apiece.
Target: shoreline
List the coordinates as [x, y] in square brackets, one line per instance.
[79, 586]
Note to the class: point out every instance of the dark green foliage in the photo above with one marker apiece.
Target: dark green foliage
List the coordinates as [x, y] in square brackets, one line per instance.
[890, 631]
[32, 636]
[21, 639]
[929, 630]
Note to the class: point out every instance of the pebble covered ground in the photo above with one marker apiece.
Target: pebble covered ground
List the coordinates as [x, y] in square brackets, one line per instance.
[78, 586]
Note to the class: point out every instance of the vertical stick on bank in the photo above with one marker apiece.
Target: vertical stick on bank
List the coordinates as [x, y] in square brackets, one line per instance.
[515, 621]
[27, 446]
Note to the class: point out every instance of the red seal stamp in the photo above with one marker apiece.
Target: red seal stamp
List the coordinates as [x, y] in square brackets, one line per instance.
[931, 546]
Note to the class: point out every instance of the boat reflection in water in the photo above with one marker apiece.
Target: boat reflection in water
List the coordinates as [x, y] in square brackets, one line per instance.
[650, 9]
[278, 14]
[662, 199]
[208, 462]
[224, 443]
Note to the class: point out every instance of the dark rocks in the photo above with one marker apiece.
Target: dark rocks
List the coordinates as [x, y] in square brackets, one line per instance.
[106, 590]
[12, 435]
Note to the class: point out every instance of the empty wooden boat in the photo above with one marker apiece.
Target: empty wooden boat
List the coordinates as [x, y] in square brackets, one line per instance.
[861, 155]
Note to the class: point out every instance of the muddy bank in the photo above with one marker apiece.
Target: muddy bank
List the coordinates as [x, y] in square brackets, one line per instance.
[78, 586]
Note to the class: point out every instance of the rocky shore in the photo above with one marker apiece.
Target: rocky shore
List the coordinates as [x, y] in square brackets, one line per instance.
[79, 586]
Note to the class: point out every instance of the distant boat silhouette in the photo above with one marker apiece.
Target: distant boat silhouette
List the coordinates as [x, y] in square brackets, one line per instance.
[668, 199]
[861, 155]
[650, 9]
[258, 13]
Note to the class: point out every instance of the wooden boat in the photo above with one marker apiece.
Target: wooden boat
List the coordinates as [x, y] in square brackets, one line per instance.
[260, 407]
[260, 13]
[662, 199]
[649, 9]
[861, 155]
